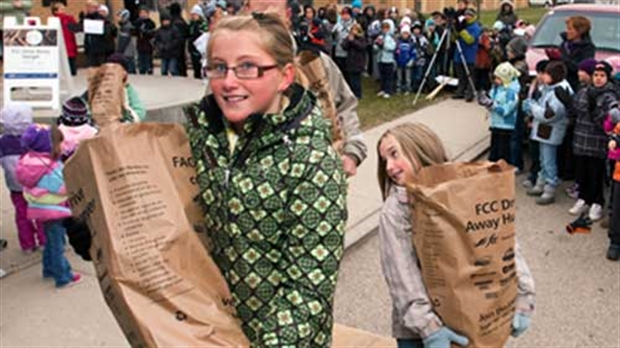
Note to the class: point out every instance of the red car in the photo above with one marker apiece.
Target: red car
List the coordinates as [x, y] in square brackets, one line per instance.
[605, 31]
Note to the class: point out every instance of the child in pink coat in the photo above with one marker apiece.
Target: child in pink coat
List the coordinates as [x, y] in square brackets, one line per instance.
[39, 171]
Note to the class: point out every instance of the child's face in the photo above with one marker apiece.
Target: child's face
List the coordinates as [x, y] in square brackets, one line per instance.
[539, 77]
[497, 81]
[599, 78]
[239, 98]
[385, 29]
[416, 31]
[584, 77]
[546, 79]
[165, 22]
[195, 17]
[398, 168]
[405, 34]
[144, 14]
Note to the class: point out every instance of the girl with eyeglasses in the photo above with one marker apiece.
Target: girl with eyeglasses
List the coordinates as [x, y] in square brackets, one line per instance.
[272, 186]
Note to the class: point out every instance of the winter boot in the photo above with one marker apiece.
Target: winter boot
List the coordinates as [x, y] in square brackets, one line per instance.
[548, 195]
[538, 188]
[582, 224]
[613, 252]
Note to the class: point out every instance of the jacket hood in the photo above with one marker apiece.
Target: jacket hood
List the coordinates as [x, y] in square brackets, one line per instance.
[506, 2]
[32, 167]
[15, 117]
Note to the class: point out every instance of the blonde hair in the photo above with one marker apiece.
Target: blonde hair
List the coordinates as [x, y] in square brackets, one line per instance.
[419, 144]
[275, 37]
[358, 30]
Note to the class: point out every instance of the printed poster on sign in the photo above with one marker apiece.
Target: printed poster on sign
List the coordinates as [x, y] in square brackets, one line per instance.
[30, 53]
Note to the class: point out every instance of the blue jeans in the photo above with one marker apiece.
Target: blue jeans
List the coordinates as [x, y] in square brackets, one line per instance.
[145, 64]
[169, 65]
[548, 164]
[355, 80]
[55, 264]
[403, 75]
[131, 64]
[416, 76]
[409, 343]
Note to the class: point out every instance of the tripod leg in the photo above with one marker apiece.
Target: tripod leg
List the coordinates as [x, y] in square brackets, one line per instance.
[430, 67]
[466, 68]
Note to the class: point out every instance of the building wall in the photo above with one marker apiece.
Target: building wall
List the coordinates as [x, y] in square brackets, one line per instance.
[425, 6]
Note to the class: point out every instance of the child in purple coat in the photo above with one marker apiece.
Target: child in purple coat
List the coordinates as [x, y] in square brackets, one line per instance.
[14, 119]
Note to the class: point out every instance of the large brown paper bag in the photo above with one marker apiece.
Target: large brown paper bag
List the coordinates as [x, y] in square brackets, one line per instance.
[133, 185]
[313, 71]
[106, 93]
[464, 234]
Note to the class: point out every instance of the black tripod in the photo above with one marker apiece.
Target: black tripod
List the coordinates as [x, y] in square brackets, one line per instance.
[445, 36]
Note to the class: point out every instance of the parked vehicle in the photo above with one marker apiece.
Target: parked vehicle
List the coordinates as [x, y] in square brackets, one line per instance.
[605, 31]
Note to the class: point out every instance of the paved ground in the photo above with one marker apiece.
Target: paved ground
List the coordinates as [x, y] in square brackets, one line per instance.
[578, 290]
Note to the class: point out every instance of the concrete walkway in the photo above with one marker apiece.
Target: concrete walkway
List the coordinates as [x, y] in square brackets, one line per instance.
[34, 313]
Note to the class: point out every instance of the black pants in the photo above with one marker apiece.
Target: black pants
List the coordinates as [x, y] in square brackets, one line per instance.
[72, 66]
[590, 175]
[483, 79]
[500, 145]
[566, 159]
[341, 62]
[533, 149]
[196, 65]
[386, 71]
[614, 230]
[464, 88]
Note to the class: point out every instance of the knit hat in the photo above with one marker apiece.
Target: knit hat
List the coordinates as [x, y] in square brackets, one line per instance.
[416, 24]
[405, 20]
[74, 112]
[356, 4]
[499, 26]
[588, 66]
[197, 10]
[542, 65]
[405, 29]
[506, 2]
[104, 8]
[517, 46]
[346, 10]
[37, 138]
[15, 118]
[221, 4]
[557, 70]
[124, 14]
[506, 72]
[604, 67]
[470, 12]
[429, 22]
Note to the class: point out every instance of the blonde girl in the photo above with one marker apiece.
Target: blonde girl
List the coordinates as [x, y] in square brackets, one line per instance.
[403, 151]
[273, 188]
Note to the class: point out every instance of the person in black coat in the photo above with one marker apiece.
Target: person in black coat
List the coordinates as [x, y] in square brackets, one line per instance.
[145, 28]
[576, 47]
[183, 29]
[355, 44]
[168, 42]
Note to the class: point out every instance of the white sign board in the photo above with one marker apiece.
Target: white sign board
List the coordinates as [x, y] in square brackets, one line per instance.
[93, 26]
[31, 60]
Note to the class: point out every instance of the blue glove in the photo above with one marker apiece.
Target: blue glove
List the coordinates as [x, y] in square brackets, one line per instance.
[520, 323]
[498, 110]
[443, 337]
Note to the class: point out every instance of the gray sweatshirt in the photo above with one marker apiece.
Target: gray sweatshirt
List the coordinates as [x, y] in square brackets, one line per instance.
[412, 311]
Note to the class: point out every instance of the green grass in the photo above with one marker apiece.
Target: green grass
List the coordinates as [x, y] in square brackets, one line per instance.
[373, 110]
[531, 15]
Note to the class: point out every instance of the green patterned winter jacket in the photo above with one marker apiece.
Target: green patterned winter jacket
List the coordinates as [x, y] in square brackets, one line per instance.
[275, 211]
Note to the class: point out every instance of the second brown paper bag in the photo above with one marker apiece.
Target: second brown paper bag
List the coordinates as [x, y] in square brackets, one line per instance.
[463, 218]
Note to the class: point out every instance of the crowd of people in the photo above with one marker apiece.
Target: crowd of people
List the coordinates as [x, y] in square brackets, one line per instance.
[260, 111]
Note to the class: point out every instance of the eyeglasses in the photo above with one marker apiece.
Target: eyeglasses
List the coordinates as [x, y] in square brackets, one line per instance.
[244, 71]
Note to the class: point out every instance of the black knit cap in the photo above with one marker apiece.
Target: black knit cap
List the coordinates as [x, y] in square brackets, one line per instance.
[604, 67]
[74, 113]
